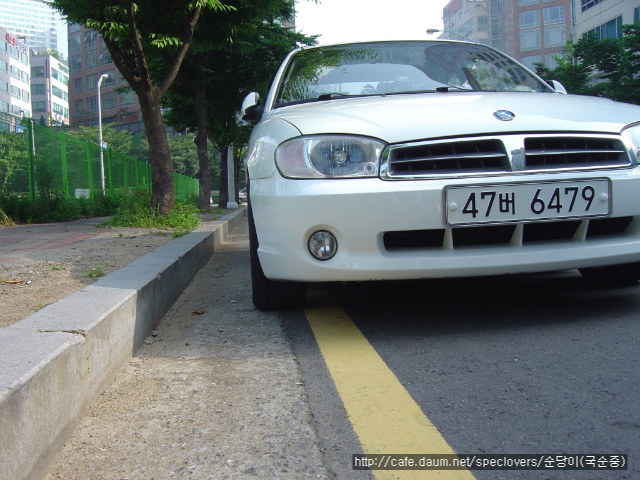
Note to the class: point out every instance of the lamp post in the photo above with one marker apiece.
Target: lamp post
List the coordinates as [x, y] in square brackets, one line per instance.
[102, 77]
[431, 31]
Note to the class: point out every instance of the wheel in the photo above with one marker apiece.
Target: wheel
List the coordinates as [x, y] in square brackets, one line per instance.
[626, 274]
[271, 294]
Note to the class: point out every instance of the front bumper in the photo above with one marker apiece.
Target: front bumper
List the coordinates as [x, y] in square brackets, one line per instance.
[362, 212]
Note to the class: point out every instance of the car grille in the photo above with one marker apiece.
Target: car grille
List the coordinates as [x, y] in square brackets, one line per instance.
[508, 234]
[503, 154]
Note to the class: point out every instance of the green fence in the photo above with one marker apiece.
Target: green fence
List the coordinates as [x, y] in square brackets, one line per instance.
[57, 163]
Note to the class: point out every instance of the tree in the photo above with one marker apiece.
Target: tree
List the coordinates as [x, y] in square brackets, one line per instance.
[572, 75]
[228, 60]
[605, 68]
[138, 35]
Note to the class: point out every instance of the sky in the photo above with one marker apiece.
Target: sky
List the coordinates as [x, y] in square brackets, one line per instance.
[361, 20]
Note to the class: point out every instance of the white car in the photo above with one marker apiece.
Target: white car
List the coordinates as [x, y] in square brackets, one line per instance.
[429, 159]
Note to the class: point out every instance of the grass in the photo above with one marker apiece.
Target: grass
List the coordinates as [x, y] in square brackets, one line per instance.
[130, 210]
[95, 272]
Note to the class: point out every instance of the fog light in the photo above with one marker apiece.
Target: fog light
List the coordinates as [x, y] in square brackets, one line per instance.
[322, 245]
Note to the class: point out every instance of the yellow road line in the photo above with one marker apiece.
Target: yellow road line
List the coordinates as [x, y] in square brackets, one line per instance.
[383, 415]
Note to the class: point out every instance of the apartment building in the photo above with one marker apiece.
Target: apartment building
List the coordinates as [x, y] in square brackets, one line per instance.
[49, 88]
[604, 18]
[89, 59]
[531, 31]
[15, 92]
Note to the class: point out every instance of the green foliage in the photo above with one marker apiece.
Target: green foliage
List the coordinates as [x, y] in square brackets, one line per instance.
[95, 272]
[605, 68]
[13, 160]
[135, 211]
[54, 208]
[118, 140]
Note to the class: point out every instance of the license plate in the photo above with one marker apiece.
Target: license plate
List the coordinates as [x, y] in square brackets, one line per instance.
[522, 202]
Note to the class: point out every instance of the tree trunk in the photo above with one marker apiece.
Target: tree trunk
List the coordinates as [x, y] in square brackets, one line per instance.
[224, 187]
[204, 173]
[163, 196]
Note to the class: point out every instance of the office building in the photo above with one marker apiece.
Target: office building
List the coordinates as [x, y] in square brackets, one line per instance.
[531, 31]
[89, 59]
[32, 20]
[49, 88]
[604, 18]
[15, 95]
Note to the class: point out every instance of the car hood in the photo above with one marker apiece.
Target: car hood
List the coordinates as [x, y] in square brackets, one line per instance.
[407, 117]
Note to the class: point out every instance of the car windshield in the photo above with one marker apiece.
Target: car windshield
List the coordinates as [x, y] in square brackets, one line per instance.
[383, 68]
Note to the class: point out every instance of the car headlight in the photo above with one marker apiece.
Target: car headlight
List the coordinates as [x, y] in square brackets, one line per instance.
[329, 156]
[632, 135]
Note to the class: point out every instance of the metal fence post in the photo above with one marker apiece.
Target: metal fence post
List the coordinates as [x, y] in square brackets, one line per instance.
[90, 169]
[32, 169]
[63, 161]
[111, 192]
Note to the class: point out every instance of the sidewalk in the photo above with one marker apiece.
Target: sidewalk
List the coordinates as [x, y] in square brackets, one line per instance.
[55, 362]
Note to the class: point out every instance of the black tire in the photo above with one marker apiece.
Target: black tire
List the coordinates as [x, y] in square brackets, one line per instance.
[271, 294]
[626, 274]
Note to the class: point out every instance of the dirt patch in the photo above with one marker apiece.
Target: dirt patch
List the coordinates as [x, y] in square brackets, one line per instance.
[40, 264]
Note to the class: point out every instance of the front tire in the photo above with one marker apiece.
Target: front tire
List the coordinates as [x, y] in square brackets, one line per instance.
[626, 274]
[271, 294]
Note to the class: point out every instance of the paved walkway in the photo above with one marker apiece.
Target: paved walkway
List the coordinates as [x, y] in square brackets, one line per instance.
[23, 244]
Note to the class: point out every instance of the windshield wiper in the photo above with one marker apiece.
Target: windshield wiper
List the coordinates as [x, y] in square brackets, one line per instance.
[446, 88]
[332, 95]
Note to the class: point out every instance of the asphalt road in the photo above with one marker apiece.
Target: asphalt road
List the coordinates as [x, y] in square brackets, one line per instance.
[535, 364]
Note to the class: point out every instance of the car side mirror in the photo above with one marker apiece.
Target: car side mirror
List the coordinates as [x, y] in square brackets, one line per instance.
[557, 86]
[251, 110]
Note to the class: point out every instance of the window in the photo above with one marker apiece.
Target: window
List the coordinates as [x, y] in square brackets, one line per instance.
[530, 18]
[15, 72]
[37, 71]
[79, 106]
[58, 92]
[91, 58]
[530, 39]
[587, 4]
[75, 64]
[105, 56]
[92, 82]
[550, 61]
[77, 85]
[90, 37]
[38, 89]
[4, 66]
[4, 106]
[554, 15]
[610, 29]
[530, 61]
[26, 96]
[483, 24]
[92, 104]
[39, 106]
[555, 36]
[127, 98]
[522, 3]
[58, 109]
[4, 86]
[75, 44]
[109, 101]
[15, 92]
[636, 15]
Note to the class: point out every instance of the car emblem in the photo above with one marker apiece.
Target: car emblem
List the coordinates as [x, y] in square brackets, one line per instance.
[504, 115]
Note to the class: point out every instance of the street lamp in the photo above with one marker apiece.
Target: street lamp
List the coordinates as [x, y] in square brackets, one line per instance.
[431, 31]
[102, 77]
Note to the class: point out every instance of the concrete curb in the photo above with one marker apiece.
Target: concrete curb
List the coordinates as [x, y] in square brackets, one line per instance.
[54, 363]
